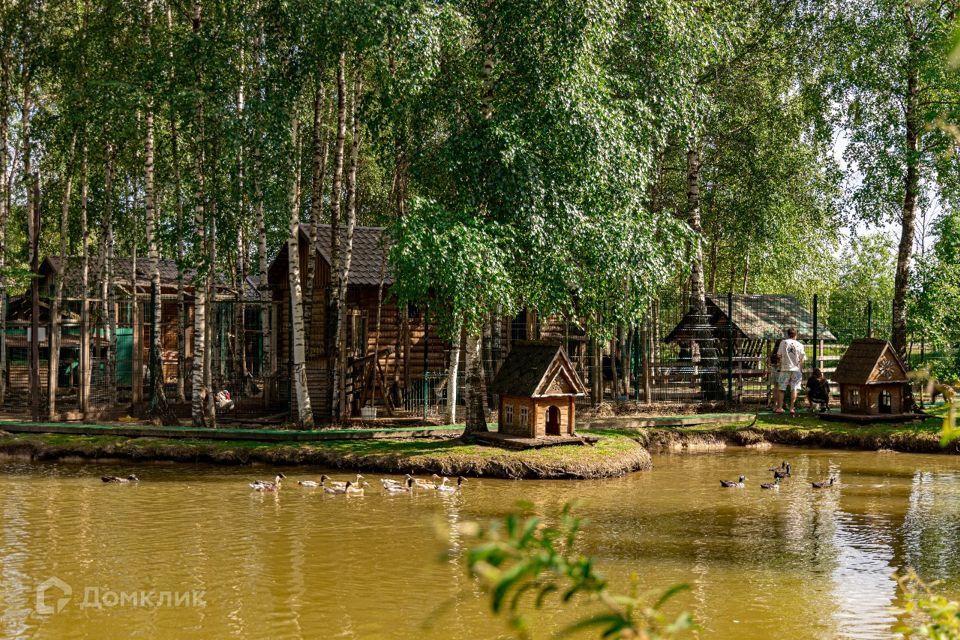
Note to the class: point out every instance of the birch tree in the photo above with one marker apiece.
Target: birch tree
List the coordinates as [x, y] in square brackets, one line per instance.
[53, 361]
[304, 417]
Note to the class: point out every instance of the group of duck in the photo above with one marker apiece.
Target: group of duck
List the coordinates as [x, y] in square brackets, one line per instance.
[357, 486]
[779, 473]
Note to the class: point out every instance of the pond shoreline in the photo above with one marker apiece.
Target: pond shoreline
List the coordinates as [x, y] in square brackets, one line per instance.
[802, 431]
[612, 456]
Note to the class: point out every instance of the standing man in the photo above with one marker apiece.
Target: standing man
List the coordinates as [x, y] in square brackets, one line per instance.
[791, 357]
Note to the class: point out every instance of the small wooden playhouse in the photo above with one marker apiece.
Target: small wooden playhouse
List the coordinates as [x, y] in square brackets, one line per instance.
[873, 382]
[537, 385]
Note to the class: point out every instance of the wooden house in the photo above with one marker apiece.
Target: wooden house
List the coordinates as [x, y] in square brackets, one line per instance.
[537, 386]
[873, 382]
[404, 342]
[132, 338]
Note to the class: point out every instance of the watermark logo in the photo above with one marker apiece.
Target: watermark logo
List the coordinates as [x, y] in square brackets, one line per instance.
[53, 595]
[47, 590]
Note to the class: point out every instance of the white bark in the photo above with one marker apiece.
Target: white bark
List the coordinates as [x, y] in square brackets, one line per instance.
[4, 209]
[85, 287]
[475, 391]
[452, 383]
[200, 395]
[53, 362]
[348, 254]
[304, 410]
[108, 292]
[334, 351]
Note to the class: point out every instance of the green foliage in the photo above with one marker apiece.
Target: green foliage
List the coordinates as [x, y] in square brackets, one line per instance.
[456, 264]
[524, 561]
[936, 296]
[929, 614]
[864, 274]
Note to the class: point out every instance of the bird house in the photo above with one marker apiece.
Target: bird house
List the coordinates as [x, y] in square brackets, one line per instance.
[873, 381]
[538, 386]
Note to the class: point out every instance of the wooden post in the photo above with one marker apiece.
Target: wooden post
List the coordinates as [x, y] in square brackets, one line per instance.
[84, 392]
[136, 359]
[35, 306]
[645, 356]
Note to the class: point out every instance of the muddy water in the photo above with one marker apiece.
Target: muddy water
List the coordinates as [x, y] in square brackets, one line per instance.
[191, 552]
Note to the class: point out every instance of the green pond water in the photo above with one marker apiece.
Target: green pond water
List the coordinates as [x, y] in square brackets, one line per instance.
[191, 552]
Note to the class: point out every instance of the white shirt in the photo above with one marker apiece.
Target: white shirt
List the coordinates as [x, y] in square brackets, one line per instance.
[791, 355]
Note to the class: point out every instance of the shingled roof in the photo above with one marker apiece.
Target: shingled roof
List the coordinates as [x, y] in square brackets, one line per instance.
[861, 360]
[526, 368]
[757, 317]
[122, 267]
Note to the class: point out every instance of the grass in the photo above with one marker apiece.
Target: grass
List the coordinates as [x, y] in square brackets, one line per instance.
[612, 455]
[804, 430]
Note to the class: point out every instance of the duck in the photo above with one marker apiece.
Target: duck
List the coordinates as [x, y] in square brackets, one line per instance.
[264, 485]
[326, 480]
[783, 465]
[425, 484]
[406, 487]
[443, 486]
[310, 484]
[782, 473]
[346, 488]
[771, 485]
[730, 484]
[390, 482]
[119, 480]
[823, 484]
[355, 489]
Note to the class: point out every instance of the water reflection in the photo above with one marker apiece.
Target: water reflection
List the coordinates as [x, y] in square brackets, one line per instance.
[797, 563]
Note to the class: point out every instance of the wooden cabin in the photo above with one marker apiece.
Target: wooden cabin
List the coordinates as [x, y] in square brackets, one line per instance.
[537, 386]
[404, 348]
[873, 381]
[132, 338]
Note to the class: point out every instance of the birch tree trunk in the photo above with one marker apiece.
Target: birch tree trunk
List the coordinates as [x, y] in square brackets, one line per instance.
[53, 361]
[181, 232]
[158, 398]
[911, 185]
[453, 375]
[334, 310]
[109, 292]
[698, 301]
[181, 258]
[304, 410]
[198, 391]
[263, 286]
[476, 391]
[33, 238]
[85, 289]
[710, 386]
[4, 210]
[348, 250]
[320, 152]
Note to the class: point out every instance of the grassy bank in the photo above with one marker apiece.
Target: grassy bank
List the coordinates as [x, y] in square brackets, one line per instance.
[803, 430]
[613, 455]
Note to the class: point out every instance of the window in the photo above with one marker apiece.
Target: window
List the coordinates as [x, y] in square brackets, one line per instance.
[356, 333]
[524, 414]
[886, 402]
[508, 414]
[854, 397]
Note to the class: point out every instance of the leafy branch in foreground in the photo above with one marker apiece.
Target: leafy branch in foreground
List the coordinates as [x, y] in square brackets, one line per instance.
[525, 559]
[937, 616]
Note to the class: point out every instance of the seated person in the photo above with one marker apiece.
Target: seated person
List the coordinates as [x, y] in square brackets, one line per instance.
[818, 391]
